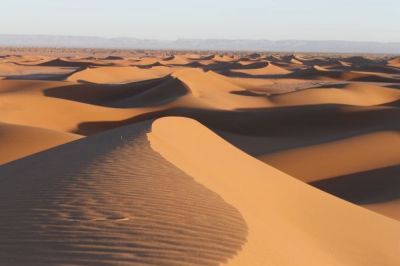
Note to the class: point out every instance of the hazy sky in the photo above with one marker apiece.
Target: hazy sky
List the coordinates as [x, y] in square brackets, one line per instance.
[359, 20]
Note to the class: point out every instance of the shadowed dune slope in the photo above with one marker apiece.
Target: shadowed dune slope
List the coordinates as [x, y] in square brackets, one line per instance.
[351, 94]
[388, 208]
[111, 200]
[338, 157]
[18, 141]
[168, 91]
[102, 94]
[276, 207]
[343, 74]
[224, 58]
[59, 62]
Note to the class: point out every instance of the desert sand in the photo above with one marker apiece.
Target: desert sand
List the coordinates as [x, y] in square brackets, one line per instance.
[189, 158]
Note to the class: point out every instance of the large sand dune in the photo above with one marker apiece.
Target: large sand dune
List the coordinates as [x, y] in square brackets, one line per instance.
[115, 201]
[274, 205]
[167, 158]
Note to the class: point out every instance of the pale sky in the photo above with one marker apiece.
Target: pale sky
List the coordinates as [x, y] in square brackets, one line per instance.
[355, 20]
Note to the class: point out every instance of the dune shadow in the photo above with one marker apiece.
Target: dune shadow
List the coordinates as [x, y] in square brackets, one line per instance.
[396, 86]
[248, 93]
[148, 66]
[63, 63]
[296, 121]
[314, 74]
[167, 91]
[332, 85]
[374, 186]
[101, 94]
[45, 77]
[375, 68]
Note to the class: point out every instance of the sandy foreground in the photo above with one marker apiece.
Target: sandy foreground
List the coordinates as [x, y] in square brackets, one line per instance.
[155, 158]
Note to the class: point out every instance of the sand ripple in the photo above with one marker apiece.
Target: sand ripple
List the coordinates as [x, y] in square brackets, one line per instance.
[124, 206]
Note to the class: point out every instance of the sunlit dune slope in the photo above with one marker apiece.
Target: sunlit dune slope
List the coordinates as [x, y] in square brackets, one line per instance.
[19, 141]
[118, 74]
[276, 207]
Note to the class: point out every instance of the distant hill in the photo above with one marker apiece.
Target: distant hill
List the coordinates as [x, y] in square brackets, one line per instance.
[197, 44]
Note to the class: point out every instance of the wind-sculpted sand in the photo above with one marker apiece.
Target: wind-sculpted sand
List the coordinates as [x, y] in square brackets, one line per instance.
[276, 207]
[114, 201]
[159, 158]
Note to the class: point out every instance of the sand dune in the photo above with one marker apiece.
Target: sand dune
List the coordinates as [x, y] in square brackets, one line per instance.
[176, 60]
[100, 94]
[113, 158]
[60, 62]
[117, 74]
[395, 62]
[147, 62]
[344, 64]
[223, 58]
[218, 220]
[350, 94]
[27, 86]
[340, 157]
[358, 60]
[214, 91]
[389, 209]
[277, 231]
[113, 57]
[19, 141]
[11, 69]
[270, 69]
[318, 72]
[55, 114]
[167, 91]
[115, 201]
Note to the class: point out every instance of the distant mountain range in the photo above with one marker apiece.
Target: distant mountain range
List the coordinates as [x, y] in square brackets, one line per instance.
[53, 41]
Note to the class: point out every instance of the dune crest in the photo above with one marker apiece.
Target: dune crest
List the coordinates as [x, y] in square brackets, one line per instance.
[270, 69]
[279, 234]
[215, 91]
[117, 74]
[114, 201]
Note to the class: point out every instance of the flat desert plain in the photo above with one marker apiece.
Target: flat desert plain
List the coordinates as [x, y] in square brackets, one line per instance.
[161, 158]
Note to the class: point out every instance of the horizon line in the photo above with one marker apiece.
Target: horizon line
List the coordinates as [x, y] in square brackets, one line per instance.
[200, 39]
